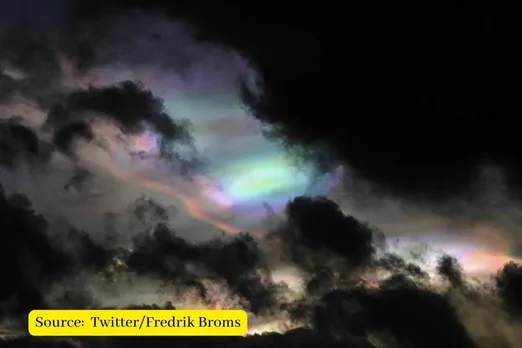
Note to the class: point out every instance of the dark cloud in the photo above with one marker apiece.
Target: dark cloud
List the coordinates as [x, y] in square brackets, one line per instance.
[320, 223]
[322, 241]
[64, 137]
[412, 315]
[410, 104]
[449, 268]
[128, 105]
[19, 142]
[27, 254]
[509, 283]
[415, 316]
[394, 263]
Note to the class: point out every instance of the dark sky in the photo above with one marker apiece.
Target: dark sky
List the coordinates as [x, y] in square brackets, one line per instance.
[414, 101]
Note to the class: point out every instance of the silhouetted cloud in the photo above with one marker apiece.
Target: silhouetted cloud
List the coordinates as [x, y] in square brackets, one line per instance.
[509, 283]
[128, 105]
[19, 141]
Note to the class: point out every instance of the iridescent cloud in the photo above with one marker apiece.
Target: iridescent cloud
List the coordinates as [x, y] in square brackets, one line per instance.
[244, 169]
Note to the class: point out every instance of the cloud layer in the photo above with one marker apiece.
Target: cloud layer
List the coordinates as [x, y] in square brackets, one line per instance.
[124, 152]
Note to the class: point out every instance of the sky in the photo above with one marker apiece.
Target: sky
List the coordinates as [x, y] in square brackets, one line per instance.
[243, 170]
[136, 160]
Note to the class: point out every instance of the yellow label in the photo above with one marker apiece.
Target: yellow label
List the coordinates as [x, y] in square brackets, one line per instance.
[138, 322]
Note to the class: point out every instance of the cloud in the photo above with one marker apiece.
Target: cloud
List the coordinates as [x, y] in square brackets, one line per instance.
[189, 268]
[343, 284]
